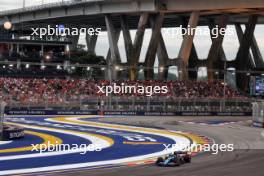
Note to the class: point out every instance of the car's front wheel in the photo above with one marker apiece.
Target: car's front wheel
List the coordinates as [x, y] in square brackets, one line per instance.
[177, 161]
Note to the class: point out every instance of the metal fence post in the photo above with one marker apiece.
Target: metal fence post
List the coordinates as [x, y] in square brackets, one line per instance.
[2, 112]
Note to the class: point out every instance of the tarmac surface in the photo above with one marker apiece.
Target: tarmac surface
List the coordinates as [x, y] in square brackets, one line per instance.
[246, 160]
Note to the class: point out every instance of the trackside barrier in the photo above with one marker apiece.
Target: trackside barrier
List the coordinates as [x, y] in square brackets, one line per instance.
[118, 113]
[258, 114]
[12, 132]
[2, 110]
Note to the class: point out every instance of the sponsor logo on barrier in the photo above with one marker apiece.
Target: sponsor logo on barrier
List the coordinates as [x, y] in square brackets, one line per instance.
[13, 132]
[258, 124]
[16, 135]
[132, 113]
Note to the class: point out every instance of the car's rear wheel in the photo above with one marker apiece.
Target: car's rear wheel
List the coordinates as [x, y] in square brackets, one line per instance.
[159, 160]
[187, 159]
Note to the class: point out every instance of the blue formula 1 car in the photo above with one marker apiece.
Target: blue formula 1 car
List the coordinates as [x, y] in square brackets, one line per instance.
[175, 159]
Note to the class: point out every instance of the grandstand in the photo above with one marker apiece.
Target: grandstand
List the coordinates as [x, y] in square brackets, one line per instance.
[44, 74]
[83, 94]
[54, 72]
[122, 87]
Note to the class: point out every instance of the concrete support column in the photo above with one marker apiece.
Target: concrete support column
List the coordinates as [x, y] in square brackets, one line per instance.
[115, 56]
[12, 47]
[66, 49]
[18, 65]
[193, 60]
[258, 59]
[127, 38]
[242, 60]
[163, 59]
[213, 59]
[193, 64]
[42, 50]
[117, 31]
[162, 55]
[91, 43]
[137, 45]
[240, 39]
[186, 46]
[153, 46]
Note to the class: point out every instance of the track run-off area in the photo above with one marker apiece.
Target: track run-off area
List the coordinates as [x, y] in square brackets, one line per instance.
[89, 144]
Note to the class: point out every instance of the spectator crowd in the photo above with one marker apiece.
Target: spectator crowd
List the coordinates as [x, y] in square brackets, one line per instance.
[34, 91]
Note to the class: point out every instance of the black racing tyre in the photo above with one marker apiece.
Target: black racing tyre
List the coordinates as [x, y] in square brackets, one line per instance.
[188, 159]
[177, 161]
[182, 160]
[159, 160]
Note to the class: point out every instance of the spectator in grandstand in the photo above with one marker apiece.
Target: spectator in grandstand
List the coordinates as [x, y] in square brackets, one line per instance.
[55, 91]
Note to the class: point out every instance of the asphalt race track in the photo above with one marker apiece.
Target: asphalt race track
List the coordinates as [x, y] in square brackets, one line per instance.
[92, 144]
[130, 150]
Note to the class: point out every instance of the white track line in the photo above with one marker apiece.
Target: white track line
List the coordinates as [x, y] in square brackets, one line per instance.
[176, 139]
[94, 140]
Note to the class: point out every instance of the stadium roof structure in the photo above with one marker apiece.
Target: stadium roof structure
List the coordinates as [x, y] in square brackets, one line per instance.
[114, 16]
[92, 11]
